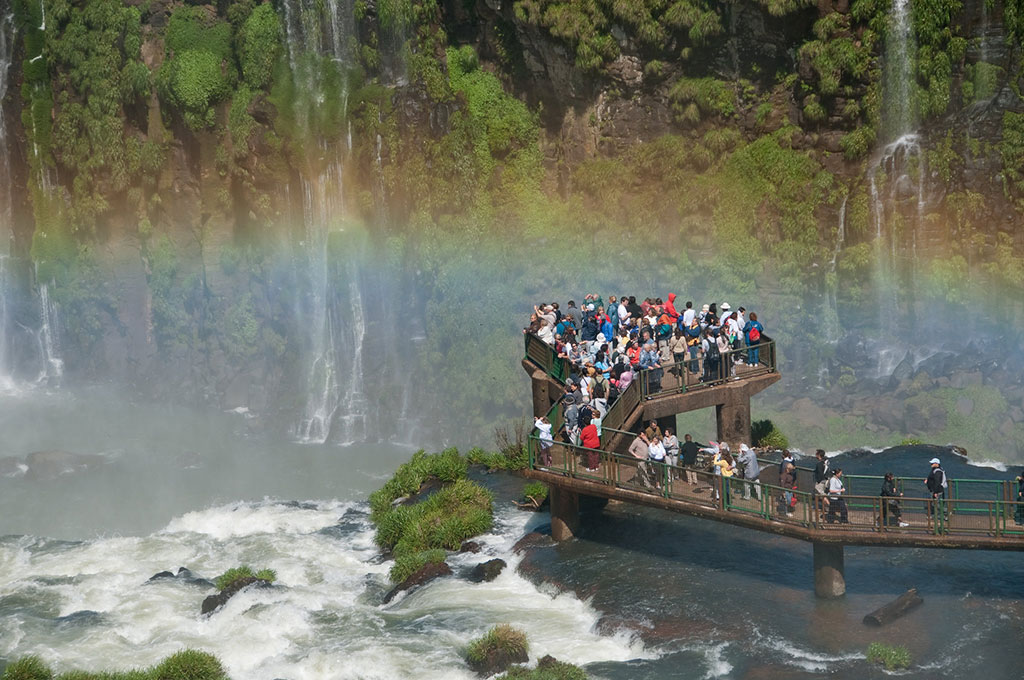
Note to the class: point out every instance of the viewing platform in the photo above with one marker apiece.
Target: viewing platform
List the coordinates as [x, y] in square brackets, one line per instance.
[978, 514]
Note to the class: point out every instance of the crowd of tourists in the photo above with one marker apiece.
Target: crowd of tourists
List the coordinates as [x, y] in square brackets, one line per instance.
[607, 344]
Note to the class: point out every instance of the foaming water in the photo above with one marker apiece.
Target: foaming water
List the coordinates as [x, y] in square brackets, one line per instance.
[322, 619]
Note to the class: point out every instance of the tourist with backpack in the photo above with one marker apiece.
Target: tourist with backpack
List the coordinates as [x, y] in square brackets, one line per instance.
[937, 484]
[753, 330]
[712, 356]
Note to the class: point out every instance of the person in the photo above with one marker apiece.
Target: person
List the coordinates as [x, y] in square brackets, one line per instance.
[747, 461]
[656, 454]
[652, 430]
[689, 451]
[836, 502]
[639, 449]
[545, 440]
[787, 480]
[671, 443]
[725, 466]
[1018, 516]
[712, 357]
[821, 475]
[591, 441]
[678, 346]
[753, 330]
[787, 459]
[650, 360]
[725, 352]
[936, 483]
[891, 512]
[689, 315]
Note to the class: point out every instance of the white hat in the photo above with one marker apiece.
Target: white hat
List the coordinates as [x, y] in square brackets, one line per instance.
[725, 305]
[744, 447]
[601, 339]
[935, 461]
[705, 308]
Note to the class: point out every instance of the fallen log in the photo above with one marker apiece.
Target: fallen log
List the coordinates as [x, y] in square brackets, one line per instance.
[895, 609]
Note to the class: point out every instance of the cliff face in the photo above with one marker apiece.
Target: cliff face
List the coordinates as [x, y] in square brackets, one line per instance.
[288, 206]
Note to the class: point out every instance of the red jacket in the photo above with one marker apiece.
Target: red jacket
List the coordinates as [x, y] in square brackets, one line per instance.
[670, 307]
[589, 438]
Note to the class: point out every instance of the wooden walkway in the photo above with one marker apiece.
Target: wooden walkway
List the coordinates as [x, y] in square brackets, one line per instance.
[957, 523]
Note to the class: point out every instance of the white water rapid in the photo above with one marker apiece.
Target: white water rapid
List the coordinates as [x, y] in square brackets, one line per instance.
[90, 604]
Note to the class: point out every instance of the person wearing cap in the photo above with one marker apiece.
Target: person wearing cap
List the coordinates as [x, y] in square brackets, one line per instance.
[747, 462]
[936, 483]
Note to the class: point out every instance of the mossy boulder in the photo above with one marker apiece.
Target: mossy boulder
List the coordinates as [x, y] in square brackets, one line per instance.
[428, 572]
[501, 647]
[487, 571]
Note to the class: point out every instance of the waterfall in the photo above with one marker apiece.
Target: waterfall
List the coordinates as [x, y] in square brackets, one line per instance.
[7, 38]
[832, 312]
[897, 174]
[320, 39]
[49, 344]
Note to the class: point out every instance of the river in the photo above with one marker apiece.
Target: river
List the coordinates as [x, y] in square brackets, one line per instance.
[641, 594]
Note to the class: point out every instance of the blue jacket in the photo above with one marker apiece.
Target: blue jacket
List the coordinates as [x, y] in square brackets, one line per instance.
[750, 326]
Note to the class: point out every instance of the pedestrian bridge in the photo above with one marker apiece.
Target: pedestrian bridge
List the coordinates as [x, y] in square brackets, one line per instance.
[978, 515]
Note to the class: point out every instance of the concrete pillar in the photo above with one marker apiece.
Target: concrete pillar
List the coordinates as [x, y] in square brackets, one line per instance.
[829, 578]
[734, 420]
[565, 513]
[541, 397]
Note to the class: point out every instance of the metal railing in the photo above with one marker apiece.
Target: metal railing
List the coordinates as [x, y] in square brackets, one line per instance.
[908, 514]
[696, 373]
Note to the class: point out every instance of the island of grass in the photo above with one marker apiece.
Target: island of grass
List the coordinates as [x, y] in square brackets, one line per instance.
[426, 508]
[188, 663]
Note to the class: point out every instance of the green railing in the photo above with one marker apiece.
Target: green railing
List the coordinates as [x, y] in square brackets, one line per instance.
[544, 356]
[677, 377]
[954, 516]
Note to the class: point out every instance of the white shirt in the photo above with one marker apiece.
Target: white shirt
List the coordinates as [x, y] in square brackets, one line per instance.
[835, 486]
[656, 451]
[623, 314]
[688, 317]
[545, 430]
[740, 320]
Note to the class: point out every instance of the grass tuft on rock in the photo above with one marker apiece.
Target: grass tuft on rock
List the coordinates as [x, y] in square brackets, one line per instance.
[893, 657]
[188, 664]
[407, 565]
[499, 647]
[418, 534]
[28, 668]
[547, 669]
[235, 574]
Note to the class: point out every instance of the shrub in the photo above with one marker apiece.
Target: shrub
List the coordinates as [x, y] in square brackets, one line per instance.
[535, 493]
[234, 574]
[189, 664]
[911, 441]
[893, 657]
[763, 433]
[407, 565]
[28, 668]
[547, 669]
[502, 638]
[259, 46]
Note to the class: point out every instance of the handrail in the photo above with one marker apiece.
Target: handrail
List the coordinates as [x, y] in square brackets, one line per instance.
[953, 516]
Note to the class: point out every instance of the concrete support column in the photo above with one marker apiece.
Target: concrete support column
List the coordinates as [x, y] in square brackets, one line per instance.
[829, 577]
[541, 397]
[734, 420]
[565, 513]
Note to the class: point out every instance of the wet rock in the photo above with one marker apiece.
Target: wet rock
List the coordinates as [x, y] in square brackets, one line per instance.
[534, 539]
[184, 576]
[11, 467]
[965, 406]
[925, 417]
[429, 486]
[487, 571]
[51, 464]
[215, 602]
[427, 572]
[469, 547]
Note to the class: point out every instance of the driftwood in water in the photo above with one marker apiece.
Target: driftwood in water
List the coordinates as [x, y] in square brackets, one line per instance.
[895, 609]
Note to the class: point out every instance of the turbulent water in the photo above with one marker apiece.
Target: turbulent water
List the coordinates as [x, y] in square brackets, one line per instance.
[641, 594]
